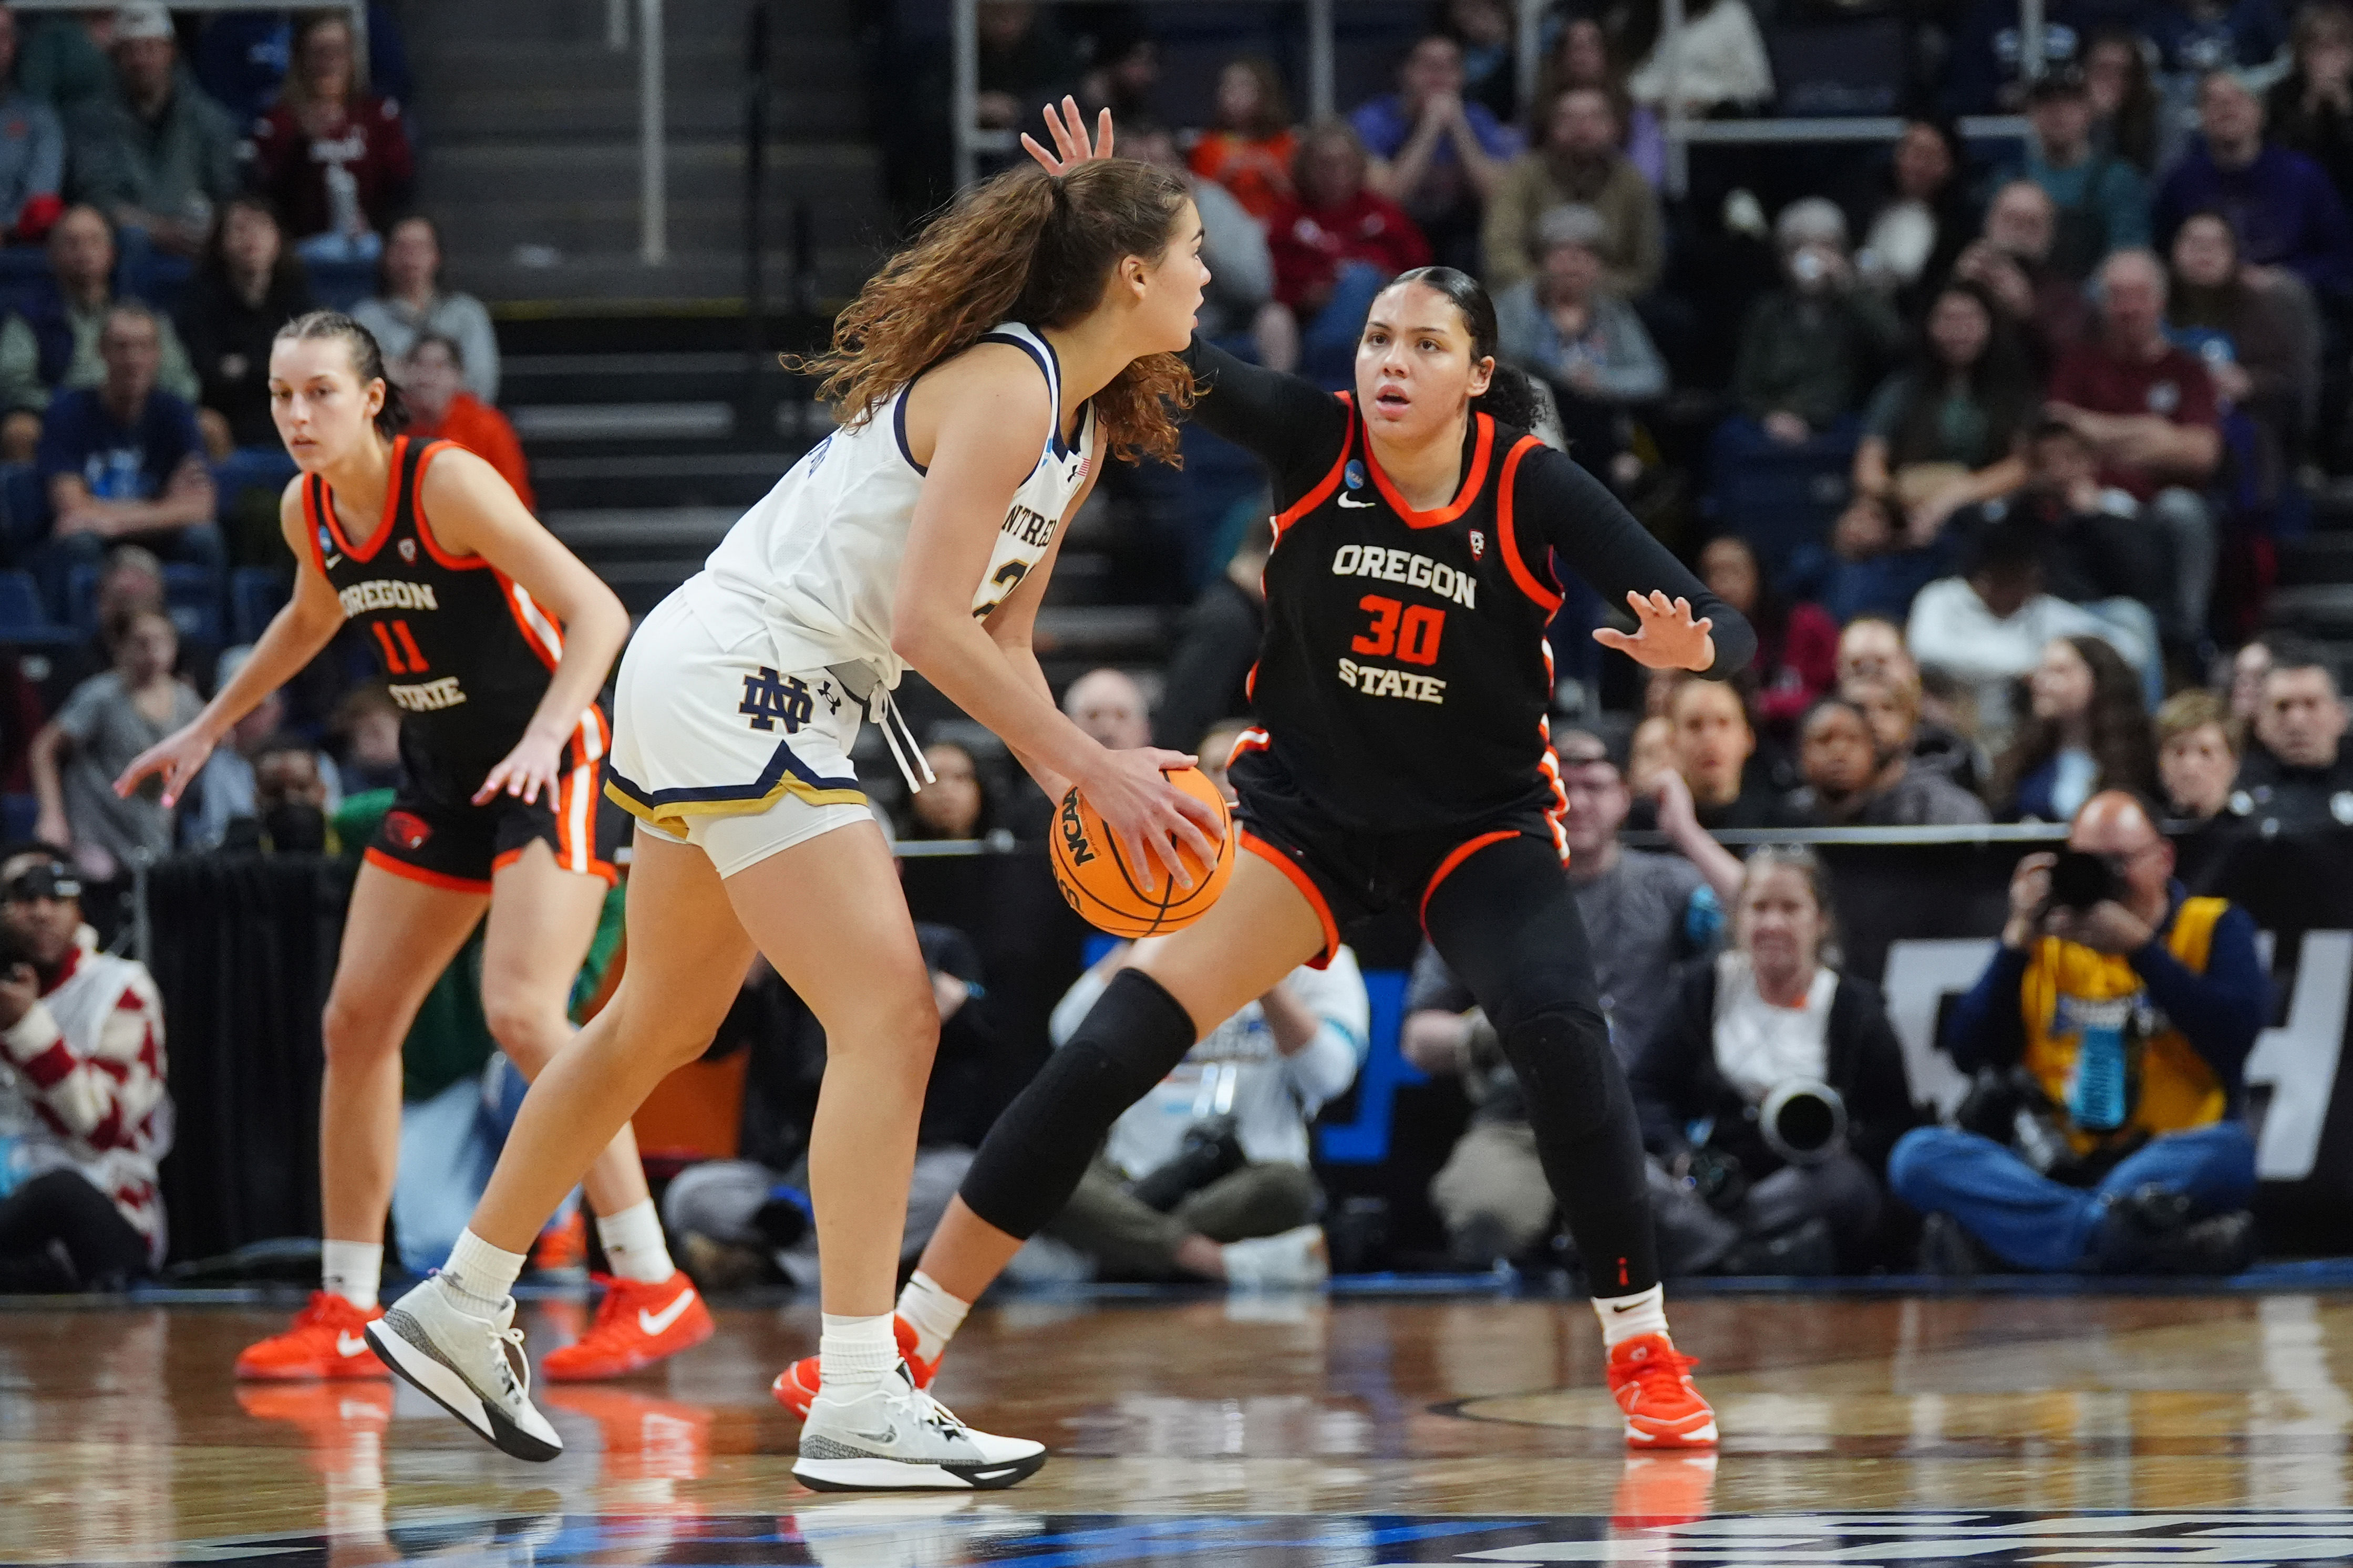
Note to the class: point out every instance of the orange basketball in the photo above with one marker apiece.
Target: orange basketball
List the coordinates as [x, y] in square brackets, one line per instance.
[1094, 875]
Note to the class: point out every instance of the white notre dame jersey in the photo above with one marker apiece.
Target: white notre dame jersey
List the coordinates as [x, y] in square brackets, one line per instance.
[816, 560]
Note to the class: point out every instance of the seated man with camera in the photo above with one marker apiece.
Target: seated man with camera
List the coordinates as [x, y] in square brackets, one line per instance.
[2108, 1038]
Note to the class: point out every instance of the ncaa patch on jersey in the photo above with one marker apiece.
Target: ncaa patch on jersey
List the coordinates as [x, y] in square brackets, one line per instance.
[1353, 475]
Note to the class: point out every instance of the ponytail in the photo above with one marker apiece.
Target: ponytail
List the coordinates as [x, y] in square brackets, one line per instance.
[1514, 397]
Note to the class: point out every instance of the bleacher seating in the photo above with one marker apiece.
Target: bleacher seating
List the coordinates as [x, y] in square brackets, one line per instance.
[23, 620]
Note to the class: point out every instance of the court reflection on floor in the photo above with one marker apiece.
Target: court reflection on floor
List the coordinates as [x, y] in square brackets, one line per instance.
[122, 1436]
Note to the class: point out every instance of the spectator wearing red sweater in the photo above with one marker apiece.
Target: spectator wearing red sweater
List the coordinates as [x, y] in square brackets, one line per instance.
[1335, 246]
[1796, 645]
[335, 158]
[432, 377]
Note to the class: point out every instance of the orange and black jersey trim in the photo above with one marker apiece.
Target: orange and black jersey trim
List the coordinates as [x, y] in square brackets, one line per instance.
[1405, 677]
[464, 648]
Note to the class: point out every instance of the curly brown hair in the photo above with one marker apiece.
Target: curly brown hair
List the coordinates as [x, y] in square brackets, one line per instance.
[1029, 247]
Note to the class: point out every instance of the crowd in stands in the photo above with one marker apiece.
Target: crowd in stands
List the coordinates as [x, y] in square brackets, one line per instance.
[2065, 392]
[177, 189]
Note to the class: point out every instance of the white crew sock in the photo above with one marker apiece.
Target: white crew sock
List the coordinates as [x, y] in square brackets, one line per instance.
[1628, 1316]
[480, 1275]
[854, 1354]
[932, 1312]
[634, 1244]
[351, 1269]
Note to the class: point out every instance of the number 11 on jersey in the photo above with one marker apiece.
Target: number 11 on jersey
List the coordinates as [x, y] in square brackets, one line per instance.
[401, 654]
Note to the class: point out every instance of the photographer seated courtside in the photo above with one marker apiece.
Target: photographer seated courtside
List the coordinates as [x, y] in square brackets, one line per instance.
[2108, 1039]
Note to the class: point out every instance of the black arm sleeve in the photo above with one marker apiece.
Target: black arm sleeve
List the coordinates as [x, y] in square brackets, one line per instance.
[1566, 509]
[1291, 425]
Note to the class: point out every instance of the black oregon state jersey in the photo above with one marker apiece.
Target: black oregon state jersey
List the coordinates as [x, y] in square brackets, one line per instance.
[466, 651]
[1404, 679]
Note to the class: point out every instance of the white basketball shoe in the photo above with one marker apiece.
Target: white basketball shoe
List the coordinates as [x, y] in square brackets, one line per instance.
[467, 1363]
[894, 1436]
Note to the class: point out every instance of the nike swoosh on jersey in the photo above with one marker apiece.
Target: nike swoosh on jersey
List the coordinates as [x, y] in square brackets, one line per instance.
[659, 1322]
[333, 560]
[350, 1344]
[1355, 504]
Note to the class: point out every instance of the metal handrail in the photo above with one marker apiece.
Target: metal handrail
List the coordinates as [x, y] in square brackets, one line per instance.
[653, 133]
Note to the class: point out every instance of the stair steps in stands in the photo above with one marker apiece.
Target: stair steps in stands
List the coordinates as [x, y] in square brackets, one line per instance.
[530, 148]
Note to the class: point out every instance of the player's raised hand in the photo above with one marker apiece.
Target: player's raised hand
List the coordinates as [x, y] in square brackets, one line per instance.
[178, 757]
[1068, 127]
[1152, 819]
[1667, 637]
[530, 767]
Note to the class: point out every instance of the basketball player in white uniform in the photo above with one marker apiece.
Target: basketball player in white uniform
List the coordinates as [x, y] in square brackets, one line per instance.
[918, 536]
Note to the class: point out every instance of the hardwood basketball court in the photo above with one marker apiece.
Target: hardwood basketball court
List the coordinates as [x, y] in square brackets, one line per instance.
[1359, 1430]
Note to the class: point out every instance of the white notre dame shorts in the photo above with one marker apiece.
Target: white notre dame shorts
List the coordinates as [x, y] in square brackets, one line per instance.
[715, 747]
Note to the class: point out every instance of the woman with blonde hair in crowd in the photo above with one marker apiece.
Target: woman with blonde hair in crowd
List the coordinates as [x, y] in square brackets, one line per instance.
[2197, 747]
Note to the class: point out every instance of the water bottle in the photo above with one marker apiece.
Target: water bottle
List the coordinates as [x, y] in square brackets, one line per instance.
[2097, 1102]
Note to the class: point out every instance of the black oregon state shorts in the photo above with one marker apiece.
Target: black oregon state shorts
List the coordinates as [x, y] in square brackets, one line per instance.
[1349, 875]
[435, 833]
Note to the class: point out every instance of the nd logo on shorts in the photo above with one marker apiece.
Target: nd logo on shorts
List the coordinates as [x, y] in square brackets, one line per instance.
[769, 697]
[406, 830]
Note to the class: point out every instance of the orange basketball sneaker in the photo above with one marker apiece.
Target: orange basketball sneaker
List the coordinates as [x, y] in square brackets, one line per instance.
[637, 1325]
[324, 1342]
[1652, 1385]
[796, 1386]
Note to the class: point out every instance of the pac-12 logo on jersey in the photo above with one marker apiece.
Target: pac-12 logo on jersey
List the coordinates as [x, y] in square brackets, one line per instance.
[768, 697]
[408, 551]
[1478, 545]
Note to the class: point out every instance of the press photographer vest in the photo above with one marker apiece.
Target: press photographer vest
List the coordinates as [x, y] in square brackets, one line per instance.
[2072, 993]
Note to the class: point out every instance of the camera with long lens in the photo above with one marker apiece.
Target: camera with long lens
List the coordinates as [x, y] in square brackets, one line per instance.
[1803, 1121]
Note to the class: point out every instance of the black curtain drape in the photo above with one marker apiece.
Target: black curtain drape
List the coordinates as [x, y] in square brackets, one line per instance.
[243, 949]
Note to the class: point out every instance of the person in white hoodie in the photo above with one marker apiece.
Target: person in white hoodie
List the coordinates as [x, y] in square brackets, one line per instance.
[1206, 1177]
[1988, 629]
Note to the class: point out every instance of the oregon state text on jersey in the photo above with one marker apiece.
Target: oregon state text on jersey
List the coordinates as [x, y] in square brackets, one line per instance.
[1404, 679]
[465, 651]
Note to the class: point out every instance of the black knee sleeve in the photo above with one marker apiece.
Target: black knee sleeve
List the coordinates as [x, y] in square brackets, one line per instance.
[1031, 1160]
[1590, 1142]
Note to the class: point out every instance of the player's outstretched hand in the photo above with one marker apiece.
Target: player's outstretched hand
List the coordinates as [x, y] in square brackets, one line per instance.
[530, 767]
[178, 757]
[1068, 127]
[1151, 818]
[1667, 637]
